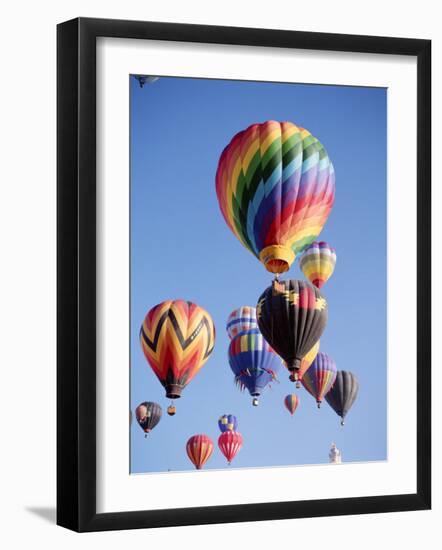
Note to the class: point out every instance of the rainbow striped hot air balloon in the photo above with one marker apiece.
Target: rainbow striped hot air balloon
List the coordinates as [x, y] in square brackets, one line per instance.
[320, 377]
[276, 186]
[318, 263]
[243, 318]
[177, 338]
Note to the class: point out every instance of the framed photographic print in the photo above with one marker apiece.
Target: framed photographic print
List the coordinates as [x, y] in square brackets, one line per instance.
[243, 274]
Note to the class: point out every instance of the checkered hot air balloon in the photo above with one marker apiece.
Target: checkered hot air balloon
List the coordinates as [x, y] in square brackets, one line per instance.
[243, 318]
[228, 423]
[318, 262]
[292, 316]
[320, 377]
[276, 186]
[199, 449]
[177, 338]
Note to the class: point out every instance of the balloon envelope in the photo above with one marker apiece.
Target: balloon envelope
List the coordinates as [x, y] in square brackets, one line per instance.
[252, 361]
[291, 403]
[148, 414]
[319, 378]
[230, 444]
[243, 318]
[292, 316]
[343, 393]
[177, 338]
[199, 449]
[318, 262]
[227, 423]
[275, 186]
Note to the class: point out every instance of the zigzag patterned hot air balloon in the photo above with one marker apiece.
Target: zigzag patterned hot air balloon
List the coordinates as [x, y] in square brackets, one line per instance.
[318, 263]
[199, 449]
[343, 393]
[320, 377]
[177, 338]
[148, 414]
[243, 318]
[230, 444]
[253, 362]
[276, 186]
[227, 423]
[292, 316]
[291, 403]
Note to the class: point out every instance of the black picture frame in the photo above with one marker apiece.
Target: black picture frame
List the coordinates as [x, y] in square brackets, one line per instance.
[76, 274]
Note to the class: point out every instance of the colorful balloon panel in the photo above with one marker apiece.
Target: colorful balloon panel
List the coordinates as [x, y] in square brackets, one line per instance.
[177, 338]
[241, 319]
[318, 262]
[252, 361]
[307, 360]
[228, 423]
[230, 444]
[320, 377]
[148, 414]
[292, 316]
[291, 403]
[275, 186]
[199, 449]
[343, 393]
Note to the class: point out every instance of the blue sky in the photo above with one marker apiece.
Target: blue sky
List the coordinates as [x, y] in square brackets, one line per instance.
[182, 248]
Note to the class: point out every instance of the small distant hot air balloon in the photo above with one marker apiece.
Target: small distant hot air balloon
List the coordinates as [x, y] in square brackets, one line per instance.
[320, 377]
[291, 403]
[343, 393]
[275, 186]
[148, 414]
[177, 338]
[243, 318]
[230, 444]
[292, 316]
[199, 449]
[318, 263]
[253, 362]
[227, 423]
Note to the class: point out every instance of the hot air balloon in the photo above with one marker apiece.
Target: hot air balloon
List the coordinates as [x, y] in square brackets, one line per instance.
[230, 444]
[343, 393]
[227, 423]
[177, 338]
[148, 415]
[199, 449]
[307, 360]
[276, 186]
[253, 362]
[292, 316]
[318, 263]
[320, 377]
[291, 403]
[243, 318]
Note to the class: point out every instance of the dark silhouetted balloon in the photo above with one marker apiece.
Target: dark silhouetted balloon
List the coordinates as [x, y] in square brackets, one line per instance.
[292, 316]
[148, 415]
[343, 393]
